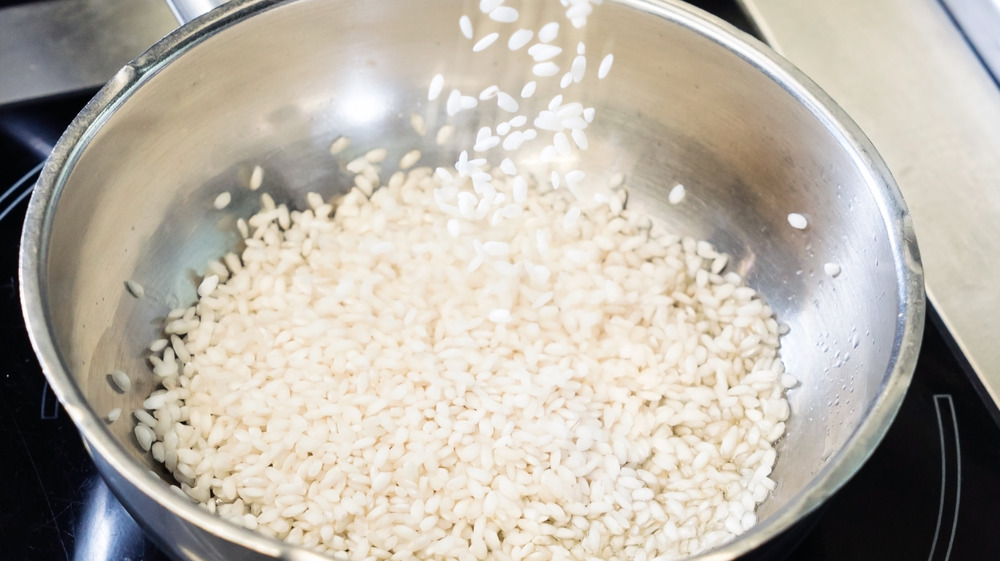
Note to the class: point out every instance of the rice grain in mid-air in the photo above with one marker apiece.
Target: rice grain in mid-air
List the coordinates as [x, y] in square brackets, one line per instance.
[605, 67]
[465, 25]
[519, 39]
[436, 85]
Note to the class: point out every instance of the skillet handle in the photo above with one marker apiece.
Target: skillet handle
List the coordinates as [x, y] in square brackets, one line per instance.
[187, 10]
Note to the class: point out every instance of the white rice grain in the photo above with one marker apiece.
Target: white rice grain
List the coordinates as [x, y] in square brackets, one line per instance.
[339, 145]
[409, 159]
[418, 123]
[121, 381]
[500, 316]
[676, 195]
[485, 42]
[578, 68]
[541, 52]
[208, 286]
[256, 178]
[434, 90]
[465, 25]
[487, 6]
[504, 14]
[508, 166]
[519, 39]
[605, 67]
[444, 134]
[797, 221]
[376, 155]
[222, 200]
[548, 32]
[506, 102]
[545, 69]
[135, 289]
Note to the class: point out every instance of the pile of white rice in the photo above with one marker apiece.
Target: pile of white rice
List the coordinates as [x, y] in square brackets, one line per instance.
[596, 388]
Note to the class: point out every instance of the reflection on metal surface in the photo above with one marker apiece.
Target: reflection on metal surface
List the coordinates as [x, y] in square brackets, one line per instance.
[62, 46]
[105, 531]
[906, 74]
[186, 10]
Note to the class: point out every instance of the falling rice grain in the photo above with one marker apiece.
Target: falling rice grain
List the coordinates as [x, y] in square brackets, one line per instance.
[579, 68]
[545, 69]
[487, 6]
[548, 32]
[465, 25]
[831, 269]
[605, 67]
[504, 14]
[113, 415]
[437, 84]
[519, 39]
[485, 42]
[542, 52]
[506, 102]
[489, 92]
[454, 103]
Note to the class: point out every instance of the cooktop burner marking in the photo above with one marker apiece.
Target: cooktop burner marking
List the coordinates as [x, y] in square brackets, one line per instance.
[23, 194]
[949, 445]
[41, 484]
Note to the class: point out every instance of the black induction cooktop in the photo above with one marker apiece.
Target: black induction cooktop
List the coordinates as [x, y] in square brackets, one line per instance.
[930, 491]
